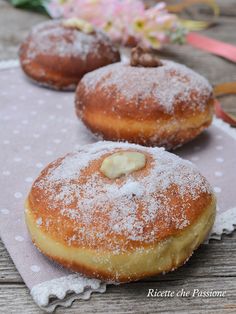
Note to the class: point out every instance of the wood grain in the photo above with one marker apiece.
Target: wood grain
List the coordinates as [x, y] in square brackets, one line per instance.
[132, 298]
[213, 266]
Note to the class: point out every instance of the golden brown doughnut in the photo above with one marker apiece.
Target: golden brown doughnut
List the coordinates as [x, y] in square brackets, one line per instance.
[124, 224]
[57, 55]
[167, 105]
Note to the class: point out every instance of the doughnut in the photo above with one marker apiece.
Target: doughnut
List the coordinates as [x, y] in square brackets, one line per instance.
[57, 54]
[149, 102]
[119, 212]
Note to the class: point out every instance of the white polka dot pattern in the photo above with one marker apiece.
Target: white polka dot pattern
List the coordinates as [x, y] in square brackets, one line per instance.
[19, 238]
[218, 173]
[40, 127]
[6, 173]
[18, 195]
[35, 268]
[39, 165]
[29, 179]
[217, 189]
[4, 211]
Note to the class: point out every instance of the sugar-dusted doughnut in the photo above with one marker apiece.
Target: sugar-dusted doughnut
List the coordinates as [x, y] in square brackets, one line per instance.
[57, 54]
[149, 102]
[119, 211]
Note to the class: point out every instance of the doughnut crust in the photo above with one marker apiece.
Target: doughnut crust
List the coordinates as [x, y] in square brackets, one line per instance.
[56, 56]
[165, 106]
[141, 224]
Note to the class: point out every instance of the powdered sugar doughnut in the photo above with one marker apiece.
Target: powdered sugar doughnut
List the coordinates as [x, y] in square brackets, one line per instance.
[167, 105]
[140, 223]
[57, 56]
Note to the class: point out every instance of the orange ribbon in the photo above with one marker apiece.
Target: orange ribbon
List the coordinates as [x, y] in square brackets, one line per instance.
[179, 7]
[220, 90]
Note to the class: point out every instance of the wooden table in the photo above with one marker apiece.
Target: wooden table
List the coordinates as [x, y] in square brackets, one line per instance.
[213, 266]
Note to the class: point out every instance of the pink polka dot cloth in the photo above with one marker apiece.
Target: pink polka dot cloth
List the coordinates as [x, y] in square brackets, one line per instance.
[39, 125]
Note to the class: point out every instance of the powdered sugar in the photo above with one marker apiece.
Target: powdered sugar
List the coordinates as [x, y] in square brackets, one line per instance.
[168, 84]
[52, 39]
[120, 201]
[133, 188]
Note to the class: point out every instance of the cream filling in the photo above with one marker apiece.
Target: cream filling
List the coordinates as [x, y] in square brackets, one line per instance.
[163, 256]
[122, 163]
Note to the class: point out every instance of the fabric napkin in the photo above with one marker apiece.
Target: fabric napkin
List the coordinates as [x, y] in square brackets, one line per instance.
[39, 125]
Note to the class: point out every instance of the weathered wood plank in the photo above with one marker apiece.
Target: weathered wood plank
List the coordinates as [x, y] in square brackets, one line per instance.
[132, 298]
[227, 8]
[14, 26]
[8, 272]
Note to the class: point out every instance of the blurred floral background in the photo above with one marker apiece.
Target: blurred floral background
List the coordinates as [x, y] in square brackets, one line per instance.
[151, 23]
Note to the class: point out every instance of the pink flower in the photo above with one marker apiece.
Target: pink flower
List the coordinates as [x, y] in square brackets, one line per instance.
[123, 19]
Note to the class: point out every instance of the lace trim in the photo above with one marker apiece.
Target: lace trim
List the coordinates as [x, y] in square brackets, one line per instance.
[224, 224]
[64, 290]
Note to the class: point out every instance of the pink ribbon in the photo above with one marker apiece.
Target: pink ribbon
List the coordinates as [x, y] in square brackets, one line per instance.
[213, 46]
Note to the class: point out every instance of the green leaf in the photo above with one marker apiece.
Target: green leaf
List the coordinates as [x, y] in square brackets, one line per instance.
[33, 5]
